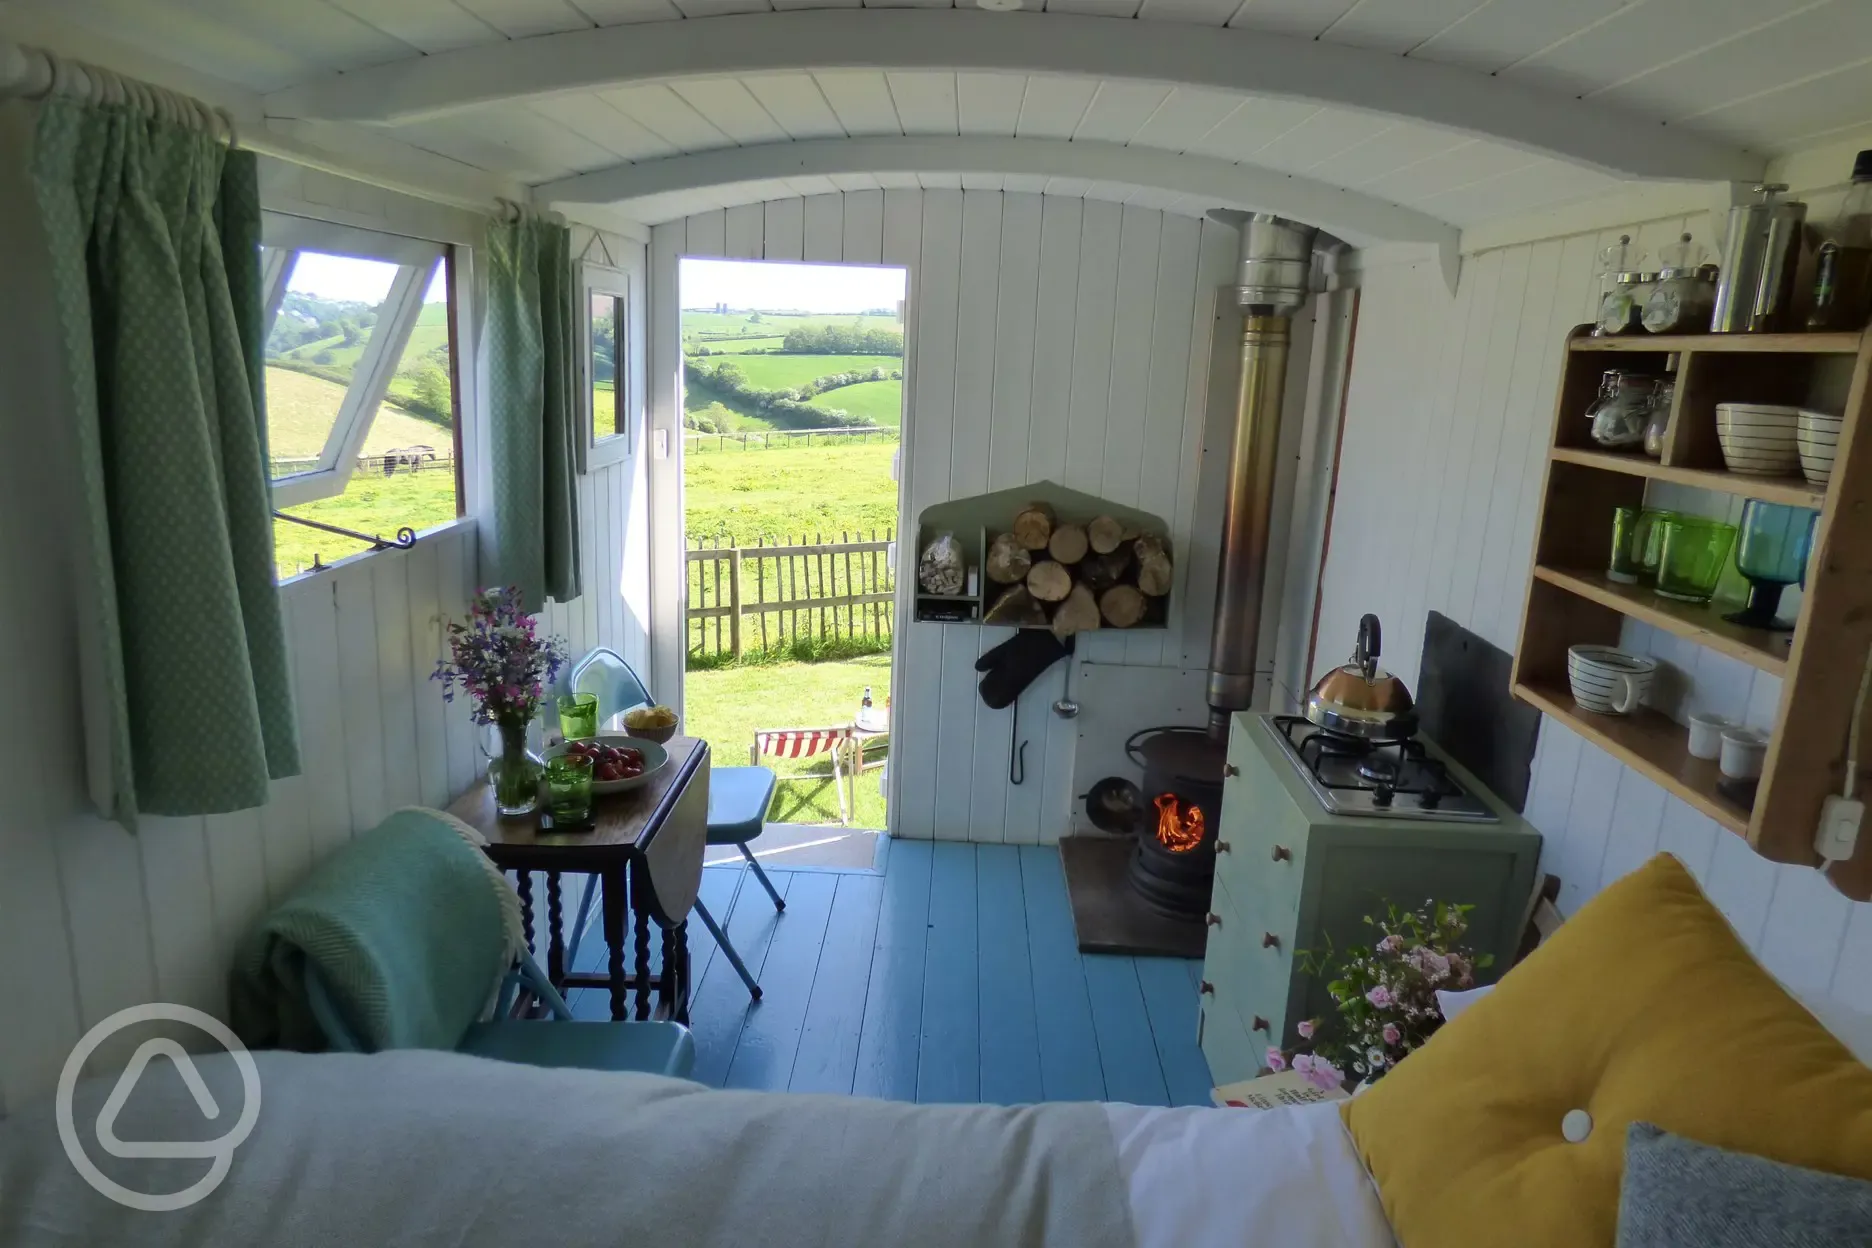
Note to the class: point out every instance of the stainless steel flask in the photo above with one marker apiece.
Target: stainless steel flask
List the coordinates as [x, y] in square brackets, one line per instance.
[1755, 293]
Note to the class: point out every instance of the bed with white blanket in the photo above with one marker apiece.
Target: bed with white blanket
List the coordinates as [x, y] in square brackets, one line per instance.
[439, 1149]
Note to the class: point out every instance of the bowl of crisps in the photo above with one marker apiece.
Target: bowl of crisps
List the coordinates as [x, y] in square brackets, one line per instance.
[650, 723]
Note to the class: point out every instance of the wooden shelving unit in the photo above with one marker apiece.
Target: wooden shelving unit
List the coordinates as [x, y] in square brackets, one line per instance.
[1570, 600]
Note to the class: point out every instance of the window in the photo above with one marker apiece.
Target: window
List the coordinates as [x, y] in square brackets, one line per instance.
[611, 390]
[360, 386]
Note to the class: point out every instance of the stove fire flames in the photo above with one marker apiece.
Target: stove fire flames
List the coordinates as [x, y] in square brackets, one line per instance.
[1179, 831]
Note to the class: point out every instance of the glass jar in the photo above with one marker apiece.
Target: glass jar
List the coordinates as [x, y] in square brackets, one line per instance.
[1663, 395]
[1685, 292]
[1623, 409]
[1621, 310]
[1614, 261]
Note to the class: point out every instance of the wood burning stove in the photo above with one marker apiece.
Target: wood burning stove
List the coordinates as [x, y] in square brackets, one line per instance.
[1173, 860]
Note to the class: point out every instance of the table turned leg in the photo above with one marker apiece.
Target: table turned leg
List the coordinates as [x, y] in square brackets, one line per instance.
[667, 982]
[524, 887]
[641, 917]
[685, 985]
[615, 901]
[555, 935]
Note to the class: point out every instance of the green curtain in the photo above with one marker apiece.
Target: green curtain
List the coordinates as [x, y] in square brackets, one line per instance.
[530, 345]
[153, 230]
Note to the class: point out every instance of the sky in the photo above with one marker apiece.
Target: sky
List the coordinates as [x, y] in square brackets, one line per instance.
[770, 286]
[359, 281]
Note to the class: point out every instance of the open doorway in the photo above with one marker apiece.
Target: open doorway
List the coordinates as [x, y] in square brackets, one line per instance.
[792, 416]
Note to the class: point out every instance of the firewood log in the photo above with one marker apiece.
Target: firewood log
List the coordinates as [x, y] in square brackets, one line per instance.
[1016, 606]
[1122, 605]
[1008, 561]
[1033, 526]
[1068, 543]
[1049, 581]
[1154, 567]
[1078, 614]
[1104, 534]
[1101, 572]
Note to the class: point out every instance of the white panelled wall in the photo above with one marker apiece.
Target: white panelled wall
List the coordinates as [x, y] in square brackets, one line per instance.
[1449, 411]
[94, 919]
[1050, 337]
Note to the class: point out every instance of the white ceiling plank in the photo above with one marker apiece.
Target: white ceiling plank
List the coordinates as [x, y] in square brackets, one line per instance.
[1540, 185]
[1471, 162]
[542, 138]
[939, 43]
[861, 100]
[1190, 12]
[807, 187]
[722, 8]
[592, 119]
[983, 182]
[1095, 8]
[730, 108]
[1119, 110]
[1397, 148]
[1357, 218]
[668, 116]
[1251, 127]
[897, 180]
[1305, 18]
[195, 41]
[518, 19]
[1802, 46]
[817, 4]
[1397, 26]
[1324, 135]
[1031, 183]
[1185, 116]
[907, 4]
[851, 182]
[795, 101]
[472, 145]
[627, 12]
[1781, 121]
[939, 181]
[1151, 197]
[1499, 33]
[429, 25]
[989, 103]
[926, 102]
[1054, 105]
[1641, 37]
[1074, 187]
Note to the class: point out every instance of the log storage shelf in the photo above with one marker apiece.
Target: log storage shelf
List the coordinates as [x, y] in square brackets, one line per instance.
[1043, 556]
[1571, 601]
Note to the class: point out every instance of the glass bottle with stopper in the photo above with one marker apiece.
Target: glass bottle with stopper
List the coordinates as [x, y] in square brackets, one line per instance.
[1685, 293]
[1623, 286]
[1842, 292]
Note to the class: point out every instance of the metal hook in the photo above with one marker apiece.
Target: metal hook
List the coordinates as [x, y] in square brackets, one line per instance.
[1017, 749]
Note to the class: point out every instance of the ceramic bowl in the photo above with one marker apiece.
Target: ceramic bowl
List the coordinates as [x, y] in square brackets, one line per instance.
[1817, 437]
[1608, 681]
[655, 757]
[1760, 439]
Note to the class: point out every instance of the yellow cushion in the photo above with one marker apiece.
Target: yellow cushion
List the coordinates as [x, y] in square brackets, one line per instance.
[1643, 1006]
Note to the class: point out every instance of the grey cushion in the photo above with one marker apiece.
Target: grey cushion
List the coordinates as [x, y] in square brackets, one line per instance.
[1678, 1193]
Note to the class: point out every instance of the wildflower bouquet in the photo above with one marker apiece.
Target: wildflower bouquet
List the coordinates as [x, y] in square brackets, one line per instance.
[1385, 994]
[499, 660]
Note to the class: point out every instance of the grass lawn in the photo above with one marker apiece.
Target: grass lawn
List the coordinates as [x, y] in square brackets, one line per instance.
[371, 503]
[735, 346]
[783, 372]
[725, 707]
[431, 332]
[879, 402]
[696, 324]
[301, 409]
[784, 492]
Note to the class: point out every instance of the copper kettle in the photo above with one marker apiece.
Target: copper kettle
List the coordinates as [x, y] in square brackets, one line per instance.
[1361, 699]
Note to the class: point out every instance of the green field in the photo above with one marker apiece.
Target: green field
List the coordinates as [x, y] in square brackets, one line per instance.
[371, 503]
[301, 409]
[430, 333]
[784, 372]
[738, 346]
[784, 492]
[699, 326]
[726, 706]
[879, 402]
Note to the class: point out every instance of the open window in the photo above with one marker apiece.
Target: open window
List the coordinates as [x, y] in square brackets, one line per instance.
[360, 385]
[611, 382]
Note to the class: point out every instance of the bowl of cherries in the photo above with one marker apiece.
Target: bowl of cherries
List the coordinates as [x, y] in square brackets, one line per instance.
[619, 763]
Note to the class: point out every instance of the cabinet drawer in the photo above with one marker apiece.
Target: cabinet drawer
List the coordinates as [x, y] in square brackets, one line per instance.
[1249, 974]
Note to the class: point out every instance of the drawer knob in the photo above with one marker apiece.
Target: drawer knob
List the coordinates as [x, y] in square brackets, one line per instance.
[1282, 854]
[1207, 989]
[1213, 919]
[1223, 847]
[1259, 1024]
[1230, 769]
[1269, 940]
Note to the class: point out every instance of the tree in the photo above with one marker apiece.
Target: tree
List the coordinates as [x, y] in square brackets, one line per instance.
[753, 318]
[430, 389]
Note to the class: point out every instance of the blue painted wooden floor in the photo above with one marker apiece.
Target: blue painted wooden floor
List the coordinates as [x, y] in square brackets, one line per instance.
[950, 976]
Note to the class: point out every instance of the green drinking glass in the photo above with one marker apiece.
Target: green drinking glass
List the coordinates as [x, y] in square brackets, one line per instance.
[1691, 557]
[569, 789]
[578, 716]
[1648, 541]
[1627, 554]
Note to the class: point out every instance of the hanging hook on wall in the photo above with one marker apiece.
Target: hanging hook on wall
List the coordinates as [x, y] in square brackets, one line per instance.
[1017, 749]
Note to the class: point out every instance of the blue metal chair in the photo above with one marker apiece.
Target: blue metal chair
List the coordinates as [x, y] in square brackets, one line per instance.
[737, 809]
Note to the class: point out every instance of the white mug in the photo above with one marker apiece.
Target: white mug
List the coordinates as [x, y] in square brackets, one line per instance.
[1742, 752]
[1706, 733]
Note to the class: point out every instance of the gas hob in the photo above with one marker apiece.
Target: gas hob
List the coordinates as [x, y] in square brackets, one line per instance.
[1380, 780]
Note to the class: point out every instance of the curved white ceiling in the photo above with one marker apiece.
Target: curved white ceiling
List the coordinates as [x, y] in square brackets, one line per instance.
[1701, 82]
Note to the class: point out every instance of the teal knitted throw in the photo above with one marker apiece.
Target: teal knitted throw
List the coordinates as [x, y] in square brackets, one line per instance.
[409, 927]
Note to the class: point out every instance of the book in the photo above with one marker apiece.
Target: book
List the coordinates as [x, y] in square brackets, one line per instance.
[1289, 1087]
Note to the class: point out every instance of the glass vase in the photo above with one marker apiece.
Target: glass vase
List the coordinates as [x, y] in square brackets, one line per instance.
[514, 772]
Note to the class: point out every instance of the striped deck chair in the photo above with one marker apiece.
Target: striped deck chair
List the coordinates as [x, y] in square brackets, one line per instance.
[805, 743]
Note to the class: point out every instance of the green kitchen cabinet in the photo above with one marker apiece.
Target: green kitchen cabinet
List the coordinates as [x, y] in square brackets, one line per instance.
[1292, 876]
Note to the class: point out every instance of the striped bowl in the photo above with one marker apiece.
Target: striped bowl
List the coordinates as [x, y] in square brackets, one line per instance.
[1817, 436]
[1600, 676]
[1760, 439]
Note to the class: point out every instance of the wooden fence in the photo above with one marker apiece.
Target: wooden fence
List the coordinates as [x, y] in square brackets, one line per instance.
[767, 596]
[696, 440]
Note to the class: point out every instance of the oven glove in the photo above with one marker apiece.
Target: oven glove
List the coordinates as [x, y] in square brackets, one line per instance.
[1017, 662]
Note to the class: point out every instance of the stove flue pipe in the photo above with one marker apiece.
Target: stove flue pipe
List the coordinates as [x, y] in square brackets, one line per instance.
[1273, 283]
